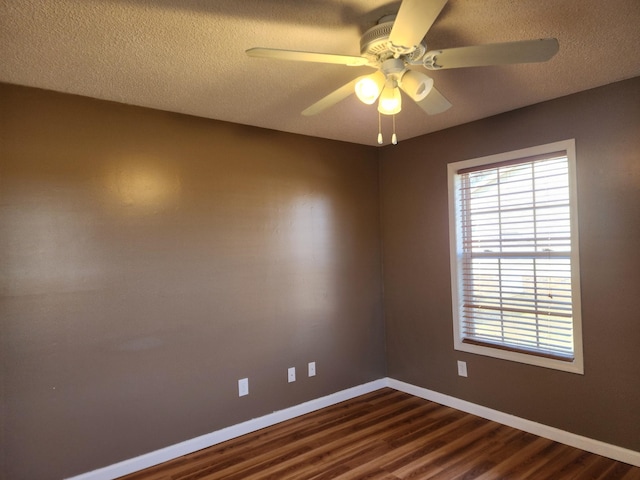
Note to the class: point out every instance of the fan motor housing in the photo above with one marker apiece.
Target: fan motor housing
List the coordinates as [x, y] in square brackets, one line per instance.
[374, 43]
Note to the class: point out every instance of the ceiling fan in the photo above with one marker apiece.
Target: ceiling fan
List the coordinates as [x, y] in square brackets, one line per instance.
[395, 45]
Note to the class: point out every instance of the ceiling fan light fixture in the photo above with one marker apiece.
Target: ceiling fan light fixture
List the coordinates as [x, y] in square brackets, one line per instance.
[368, 88]
[390, 100]
[416, 84]
[396, 45]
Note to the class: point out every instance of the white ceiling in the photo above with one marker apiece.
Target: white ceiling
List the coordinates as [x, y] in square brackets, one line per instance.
[188, 56]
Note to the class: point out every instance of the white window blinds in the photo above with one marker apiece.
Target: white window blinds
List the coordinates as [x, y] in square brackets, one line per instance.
[515, 252]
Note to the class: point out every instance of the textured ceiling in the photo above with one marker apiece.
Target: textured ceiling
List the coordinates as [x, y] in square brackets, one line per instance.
[188, 56]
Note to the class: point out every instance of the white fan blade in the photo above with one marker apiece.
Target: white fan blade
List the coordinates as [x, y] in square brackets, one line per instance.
[333, 98]
[434, 103]
[412, 23]
[527, 51]
[307, 56]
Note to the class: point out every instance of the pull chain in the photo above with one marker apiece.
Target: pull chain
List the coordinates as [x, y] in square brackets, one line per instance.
[394, 137]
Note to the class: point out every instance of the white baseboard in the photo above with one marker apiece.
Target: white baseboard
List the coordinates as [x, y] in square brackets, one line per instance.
[189, 446]
[584, 443]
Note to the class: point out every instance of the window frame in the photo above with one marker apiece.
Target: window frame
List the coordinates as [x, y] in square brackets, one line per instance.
[455, 237]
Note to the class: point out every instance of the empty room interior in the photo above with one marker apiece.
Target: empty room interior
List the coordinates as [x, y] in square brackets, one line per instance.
[207, 227]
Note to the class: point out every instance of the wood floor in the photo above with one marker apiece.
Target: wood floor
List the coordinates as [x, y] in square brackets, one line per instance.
[389, 435]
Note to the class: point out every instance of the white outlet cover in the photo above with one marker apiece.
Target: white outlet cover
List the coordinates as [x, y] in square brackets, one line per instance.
[462, 368]
[312, 369]
[291, 374]
[243, 387]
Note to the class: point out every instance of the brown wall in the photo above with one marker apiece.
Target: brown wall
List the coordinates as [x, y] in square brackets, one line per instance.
[149, 260]
[604, 403]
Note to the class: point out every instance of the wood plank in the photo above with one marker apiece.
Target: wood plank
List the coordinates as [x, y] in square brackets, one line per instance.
[388, 435]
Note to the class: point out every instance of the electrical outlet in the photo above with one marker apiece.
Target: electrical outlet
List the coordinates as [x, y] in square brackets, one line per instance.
[312, 369]
[291, 374]
[243, 387]
[462, 368]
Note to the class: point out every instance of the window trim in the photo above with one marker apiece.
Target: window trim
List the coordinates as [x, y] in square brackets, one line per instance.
[455, 248]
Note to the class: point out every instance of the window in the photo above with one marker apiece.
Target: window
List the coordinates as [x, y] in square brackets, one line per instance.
[514, 256]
